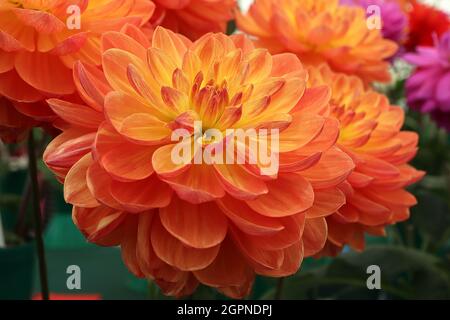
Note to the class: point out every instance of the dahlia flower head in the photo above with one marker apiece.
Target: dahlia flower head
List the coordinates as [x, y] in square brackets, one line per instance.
[321, 31]
[193, 18]
[393, 18]
[213, 223]
[41, 39]
[428, 88]
[370, 133]
[425, 22]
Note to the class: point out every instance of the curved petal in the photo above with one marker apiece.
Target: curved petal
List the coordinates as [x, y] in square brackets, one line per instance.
[288, 195]
[76, 191]
[137, 196]
[45, 72]
[98, 223]
[198, 184]
[314, 236]
[326, 202]
[76, 114]
[228, 269]
[174, 252]
[109, 149]
[333, 168]
[99, 183]
[198, 226]
[247, 220]
[239, 183]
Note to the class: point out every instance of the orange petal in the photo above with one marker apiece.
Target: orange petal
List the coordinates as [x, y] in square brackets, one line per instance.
[315, 100]
[44, 72]
[398, 197]
[371, 213]
[333, 168]
[292, 259]
[324, 141]
[124, 42]
[246, 219]
[41, 21]
[239, 183]
[314, 236]
[293, 162]
[109, 148]
[198, 226]
[326, 202]
[164, 165]
[91, 84]
[303, 129]
[141, 195]
[129, 244]
[288, 195]
[13, 87]
[66, 149]
[291, 234]
[197, 184]
[270, 259]
[147, 258]
[70, 45]
[99, 183]
[170, 43]
[76, 114]
[174, 252]
[76, 191]
[286, 64]
[359, 180]
[98, 223]
[115, 64]
[6, 61]
[228, 269]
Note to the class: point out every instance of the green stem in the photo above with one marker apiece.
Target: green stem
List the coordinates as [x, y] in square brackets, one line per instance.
[37, 215]
[279, 290]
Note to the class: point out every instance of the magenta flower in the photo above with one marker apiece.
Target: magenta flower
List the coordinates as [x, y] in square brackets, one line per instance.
[428, 89]
[394, 20]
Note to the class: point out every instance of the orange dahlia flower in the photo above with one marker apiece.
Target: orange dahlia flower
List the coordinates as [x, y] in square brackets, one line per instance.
[194, 18]
[371, 135]
[321, 31]
[41, 39]
[190, 223]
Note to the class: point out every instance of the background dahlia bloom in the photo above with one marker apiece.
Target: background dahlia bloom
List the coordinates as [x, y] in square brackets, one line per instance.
[13, 124]
[370, 133]
[394, 18]
[194, 18]
[38, 49]
[216, 224]
[428, 89]
[321, 31]
[424, 23]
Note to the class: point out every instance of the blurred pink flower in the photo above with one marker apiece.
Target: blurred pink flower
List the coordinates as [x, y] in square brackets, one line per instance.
[428, 89]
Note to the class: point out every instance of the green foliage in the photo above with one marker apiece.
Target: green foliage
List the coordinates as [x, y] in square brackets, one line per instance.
[406, 274]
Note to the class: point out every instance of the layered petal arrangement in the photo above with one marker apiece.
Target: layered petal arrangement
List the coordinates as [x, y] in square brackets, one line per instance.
[212, 222]
[194, 18]
[428, 89]
[321, 31]
[41, 40]
[370, 133]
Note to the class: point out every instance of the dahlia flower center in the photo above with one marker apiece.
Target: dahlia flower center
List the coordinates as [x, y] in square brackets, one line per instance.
[209, 104]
